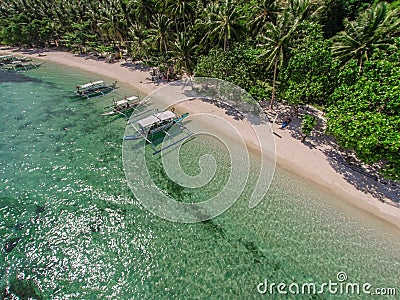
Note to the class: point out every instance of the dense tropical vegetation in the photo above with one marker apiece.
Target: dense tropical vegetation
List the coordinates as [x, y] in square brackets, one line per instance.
[342, 56]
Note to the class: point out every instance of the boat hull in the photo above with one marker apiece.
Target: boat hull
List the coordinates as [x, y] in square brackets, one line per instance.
[101, 91]
[19, 67]
[122, 111]
[156, 132]
[119, 112]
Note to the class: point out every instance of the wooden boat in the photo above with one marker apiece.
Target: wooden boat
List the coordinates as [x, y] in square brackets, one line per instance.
[20, 66]
[123, 106]
[93, 89]
[158, 123]
[6, 59]
[10, 59]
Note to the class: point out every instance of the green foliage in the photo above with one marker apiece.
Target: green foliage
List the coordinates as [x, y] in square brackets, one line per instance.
[40, 31]
[280, 34]
[310, 75]
[183, 51]
[80, 37]
[239, 66]
[365, 115]
[262, 12]
[395, 4]
[353, 7]
[333, 18]
[223, 24]
[373, 29]
[307, 125]
[14, 31]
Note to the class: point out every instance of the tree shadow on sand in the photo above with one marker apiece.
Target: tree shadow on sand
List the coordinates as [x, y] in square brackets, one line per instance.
[363, 177]
[229, 110]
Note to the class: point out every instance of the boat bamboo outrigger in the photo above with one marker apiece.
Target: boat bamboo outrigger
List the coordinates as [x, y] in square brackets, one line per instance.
[6, 59]
[123, 106]
[93, 89]
[159, 123]
[9, 59]
[20, 66]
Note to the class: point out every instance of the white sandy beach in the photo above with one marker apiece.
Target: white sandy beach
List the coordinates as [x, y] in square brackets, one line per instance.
[307, 160]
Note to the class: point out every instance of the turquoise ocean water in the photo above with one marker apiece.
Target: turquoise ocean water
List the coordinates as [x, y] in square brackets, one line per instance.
[72, 229]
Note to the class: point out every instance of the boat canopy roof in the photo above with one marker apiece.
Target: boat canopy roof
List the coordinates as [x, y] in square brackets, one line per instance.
[156, 118]
[126, 100]
[90, 84]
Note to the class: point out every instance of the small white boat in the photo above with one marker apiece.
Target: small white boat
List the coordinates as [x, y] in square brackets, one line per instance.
[123, 106]
[93, 89]
[148, 128]
[18, 65]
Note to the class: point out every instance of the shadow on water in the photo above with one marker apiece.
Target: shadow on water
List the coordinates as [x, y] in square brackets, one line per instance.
[254, 250]
[21, 288]
[15, 77]
[216, 229]
[10, 244]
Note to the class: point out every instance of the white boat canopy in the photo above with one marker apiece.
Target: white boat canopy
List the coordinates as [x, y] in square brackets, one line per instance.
[88, 85]
[156, 118]
[126, 100]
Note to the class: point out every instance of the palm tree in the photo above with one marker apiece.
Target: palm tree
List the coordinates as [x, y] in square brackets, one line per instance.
[223, 24]
[373, 29]
[138, 37]
[277, 36]
[266, 11]
[275, 43]
[111, 27]
[144, 11]
[304, 9]
[160, 32]
[181, 10]
[183, 51]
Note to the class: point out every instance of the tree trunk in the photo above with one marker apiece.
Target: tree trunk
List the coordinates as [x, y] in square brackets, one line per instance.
[165, 46]
[296, 111]
[360, 68]
[225, 42]
[273, 85]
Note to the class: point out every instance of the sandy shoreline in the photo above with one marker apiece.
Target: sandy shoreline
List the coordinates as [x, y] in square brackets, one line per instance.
[309, 161]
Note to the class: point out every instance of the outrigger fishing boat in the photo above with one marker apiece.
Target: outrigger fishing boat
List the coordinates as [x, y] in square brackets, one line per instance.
[9, 59]
[122, 107]
[20, 66]
[159, 123]
[6, 59]
[93, 89]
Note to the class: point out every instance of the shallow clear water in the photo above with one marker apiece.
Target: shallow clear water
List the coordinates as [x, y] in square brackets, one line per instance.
[71, 225]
